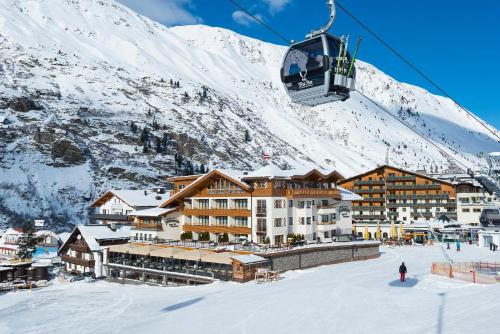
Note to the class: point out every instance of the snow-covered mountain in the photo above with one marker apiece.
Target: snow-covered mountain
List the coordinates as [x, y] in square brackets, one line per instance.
[81, 79]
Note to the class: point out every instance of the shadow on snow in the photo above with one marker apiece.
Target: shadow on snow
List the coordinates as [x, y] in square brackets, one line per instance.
[180, 305]
[408, 283]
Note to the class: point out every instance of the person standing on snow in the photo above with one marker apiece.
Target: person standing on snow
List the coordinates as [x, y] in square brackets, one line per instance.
[402, 272]
[458, 245]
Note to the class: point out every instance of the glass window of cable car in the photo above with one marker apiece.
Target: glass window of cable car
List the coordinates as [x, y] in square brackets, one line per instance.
[303, 65]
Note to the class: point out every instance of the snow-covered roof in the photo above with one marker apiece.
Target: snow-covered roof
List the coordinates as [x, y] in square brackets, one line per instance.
[153, 212]
[64, 236]
[136, 198]
[141, 197]
[94, 233]
[272, 171]
[249, 259]
[347, 195]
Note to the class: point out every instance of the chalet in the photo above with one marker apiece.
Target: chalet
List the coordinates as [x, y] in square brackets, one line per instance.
[8, 242]
[394, 194]
[83, 250]
[115, 205]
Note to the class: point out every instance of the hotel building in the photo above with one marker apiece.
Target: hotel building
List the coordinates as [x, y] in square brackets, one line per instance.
[394, 194]
[266, 205]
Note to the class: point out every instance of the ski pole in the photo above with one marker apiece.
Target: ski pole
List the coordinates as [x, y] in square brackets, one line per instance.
[345, 53]
[354, 57]
[337, 68]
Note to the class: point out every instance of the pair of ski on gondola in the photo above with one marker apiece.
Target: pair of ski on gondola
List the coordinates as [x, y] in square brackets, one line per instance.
[320, 69]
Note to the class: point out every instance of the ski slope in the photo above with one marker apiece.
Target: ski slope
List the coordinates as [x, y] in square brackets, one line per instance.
[359, 297]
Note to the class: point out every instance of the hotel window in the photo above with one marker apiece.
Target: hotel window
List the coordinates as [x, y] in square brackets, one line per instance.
[290, 203]
[308, 204]
[476, 210]
[203, 220]
[182, 186]
[324, 202]
[279, 204]
[300, 204]
[203, 203]
[260, 184]
[290, 220]
[404, 209]
[261, 225]
[221, 203]
[221, 220]
[333, 216]
[301, 220]
[308, 221]
[241, 203]
[279, 222]
[465, 210]
[261, 207]
[241, 221]
[324, 218]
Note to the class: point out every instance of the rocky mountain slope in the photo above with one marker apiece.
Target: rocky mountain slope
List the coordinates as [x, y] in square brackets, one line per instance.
[94, 96]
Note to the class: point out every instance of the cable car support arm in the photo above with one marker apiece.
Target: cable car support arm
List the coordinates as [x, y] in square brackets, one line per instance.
[333, 13]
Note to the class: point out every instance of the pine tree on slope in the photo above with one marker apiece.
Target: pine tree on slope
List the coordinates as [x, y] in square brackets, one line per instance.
[27, 242]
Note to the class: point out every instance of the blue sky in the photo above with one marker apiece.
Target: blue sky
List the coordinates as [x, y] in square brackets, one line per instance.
[456, 42]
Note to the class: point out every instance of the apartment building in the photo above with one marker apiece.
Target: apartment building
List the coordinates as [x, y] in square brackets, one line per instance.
[393, 194]
[266, 205]
[472, 196]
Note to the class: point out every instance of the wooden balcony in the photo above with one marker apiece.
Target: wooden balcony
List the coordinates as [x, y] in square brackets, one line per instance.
[217, 229]
[217, 212]
[149, 226]
[79, 247]
[77, 261]
[306, 193]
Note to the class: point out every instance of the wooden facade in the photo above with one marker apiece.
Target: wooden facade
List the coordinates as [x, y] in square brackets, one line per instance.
[387, 188]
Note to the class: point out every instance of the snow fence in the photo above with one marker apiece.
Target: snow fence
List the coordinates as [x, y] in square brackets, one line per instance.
[475, 272]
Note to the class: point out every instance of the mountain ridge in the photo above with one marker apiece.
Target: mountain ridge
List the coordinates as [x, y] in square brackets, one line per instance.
[75, 75]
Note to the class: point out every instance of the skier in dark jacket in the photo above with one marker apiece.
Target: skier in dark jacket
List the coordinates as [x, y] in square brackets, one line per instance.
[402, 272]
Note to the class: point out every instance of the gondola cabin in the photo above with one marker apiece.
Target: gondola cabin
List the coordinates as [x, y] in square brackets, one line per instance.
[318, 70]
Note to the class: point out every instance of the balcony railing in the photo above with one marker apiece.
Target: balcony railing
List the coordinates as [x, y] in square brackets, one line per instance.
[109, 217]
[369, 183]
[418, 197]
[413, 186]
[376, 217]
[311, 192]
[367, 208]
[367, 191]
[217, 212]
[401, 178]
[145, 226]
[77, 261]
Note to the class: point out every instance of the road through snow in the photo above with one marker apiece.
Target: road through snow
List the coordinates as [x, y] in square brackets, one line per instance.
[360, 297]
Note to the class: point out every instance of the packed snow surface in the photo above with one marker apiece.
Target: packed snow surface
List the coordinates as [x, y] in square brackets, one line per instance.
[356, 297]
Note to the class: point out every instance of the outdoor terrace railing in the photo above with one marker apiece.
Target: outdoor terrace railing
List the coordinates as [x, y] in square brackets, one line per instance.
[313, 192]
[401, 178]
[413, 187]
[77, 261]
[369, 183]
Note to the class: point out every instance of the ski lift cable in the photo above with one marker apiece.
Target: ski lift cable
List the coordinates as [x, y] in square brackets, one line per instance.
[234, 2]
[260, 21]
[414, 67]
[412, 129]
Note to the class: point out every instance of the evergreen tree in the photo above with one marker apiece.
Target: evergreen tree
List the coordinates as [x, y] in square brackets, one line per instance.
[171, 82]
[133, 127]
[144, 134]
[164, 139]
[145, 148]
[247, 135]
[202, 168]
[27, 242]
[158, 144]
